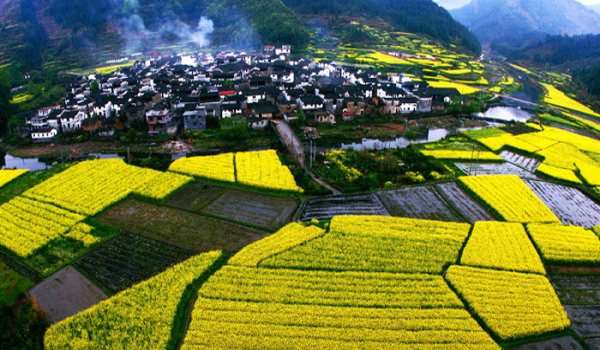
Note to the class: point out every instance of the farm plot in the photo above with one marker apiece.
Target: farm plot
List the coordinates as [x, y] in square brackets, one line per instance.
[467, 206]
[142, 317]
[180, 228]
[513, 305]
[12, 284]
[570, 205]
[384, 244]
[508, 197]
[528, 163]
[195, 197]
[66, 293]
[565, 342]
[494, 169]
[257, 209]
[419, 203]
[326, 208]
[580, 294]
[129, 259]
[242, 307]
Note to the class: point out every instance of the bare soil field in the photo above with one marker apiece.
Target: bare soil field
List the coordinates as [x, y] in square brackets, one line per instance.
[569, 204]
[418, 202]
[257, 209]
[560, 343]
[66, 293]
[180, 228]
[328, 207]
[494, 169]
[580, 295]
[195, 196]
[467, 206]
[128, 259]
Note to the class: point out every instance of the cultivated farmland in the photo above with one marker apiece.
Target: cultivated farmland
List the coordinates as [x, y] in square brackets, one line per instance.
[501, 245]
[128, 259]
[418, 202]
[580, 293]
[257, 209]
[509, 198]
[370, 243]
[494, 169]
[466, 206]
[560, 244]
[141, 317]
[180, 228]
[195, 197]
[528, 163]
[66, 293]
[513, 305]
[570, 205]
[328, 207]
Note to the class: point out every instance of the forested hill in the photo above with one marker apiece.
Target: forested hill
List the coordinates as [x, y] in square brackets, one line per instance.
[415, 16]
[559, 49]
[64, 33]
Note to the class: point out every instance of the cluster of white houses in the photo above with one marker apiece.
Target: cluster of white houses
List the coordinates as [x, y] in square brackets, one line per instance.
[172, 94]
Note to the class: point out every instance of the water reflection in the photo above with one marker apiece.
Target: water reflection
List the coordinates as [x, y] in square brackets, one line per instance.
[32, 164]
[506, 114]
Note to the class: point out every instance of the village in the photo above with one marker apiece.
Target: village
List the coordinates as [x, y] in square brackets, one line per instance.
[178, 93]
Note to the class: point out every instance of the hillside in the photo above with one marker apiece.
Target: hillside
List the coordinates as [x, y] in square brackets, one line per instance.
[510, 24]
[561, 49]
[415, 16]
[60, 35]
[68, 35]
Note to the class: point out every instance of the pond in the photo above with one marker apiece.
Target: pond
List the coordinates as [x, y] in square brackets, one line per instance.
[505, 114]
[399, 142]
[32, 164]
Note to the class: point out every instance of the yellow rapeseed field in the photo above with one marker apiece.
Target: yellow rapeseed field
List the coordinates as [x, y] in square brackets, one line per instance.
[141, 317]
[566, 244]
[7, 176]
[501, 245]
[287, 237]
[509, 197]
[462, 155]
[513, 305]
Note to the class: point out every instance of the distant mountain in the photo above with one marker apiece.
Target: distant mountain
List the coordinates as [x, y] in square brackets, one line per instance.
[595, 7]
[510, 24]
[577, 50]
[452, 4]
[415, 16]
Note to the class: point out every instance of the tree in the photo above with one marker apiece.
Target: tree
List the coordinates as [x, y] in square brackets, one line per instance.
[94, 86]
[6, 108]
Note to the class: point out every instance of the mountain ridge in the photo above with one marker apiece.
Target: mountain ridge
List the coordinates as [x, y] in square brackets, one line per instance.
[516, 23]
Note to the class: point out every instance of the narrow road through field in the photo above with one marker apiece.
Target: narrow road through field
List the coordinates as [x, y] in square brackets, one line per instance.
[296, 148]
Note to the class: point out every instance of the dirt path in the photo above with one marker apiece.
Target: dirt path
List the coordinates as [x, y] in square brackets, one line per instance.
[296, 148]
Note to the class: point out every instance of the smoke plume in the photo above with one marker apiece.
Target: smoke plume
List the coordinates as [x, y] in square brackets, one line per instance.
[137, 36]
